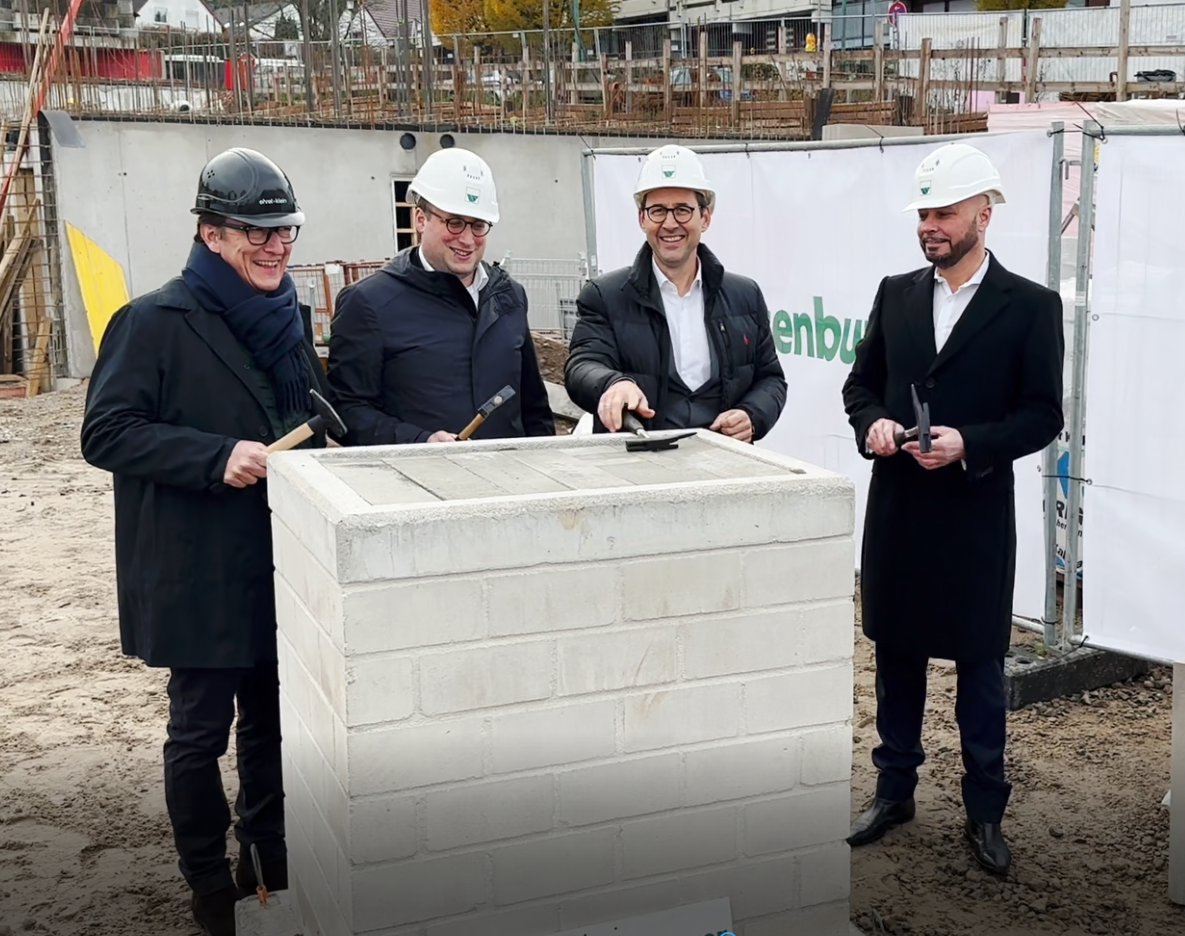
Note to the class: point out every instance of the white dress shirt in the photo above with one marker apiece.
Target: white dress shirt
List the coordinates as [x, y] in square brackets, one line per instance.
[689, 332]
[949, 305]
[480, 278]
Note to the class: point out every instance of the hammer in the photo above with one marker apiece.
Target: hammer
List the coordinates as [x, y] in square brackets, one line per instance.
[326, 418]
[484, 413]
[920, 432]
[645, 442]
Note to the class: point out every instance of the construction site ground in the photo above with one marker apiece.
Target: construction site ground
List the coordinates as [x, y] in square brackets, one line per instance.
[85, 845]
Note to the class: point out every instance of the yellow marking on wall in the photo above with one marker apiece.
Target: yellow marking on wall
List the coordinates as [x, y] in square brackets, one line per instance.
[104, 288]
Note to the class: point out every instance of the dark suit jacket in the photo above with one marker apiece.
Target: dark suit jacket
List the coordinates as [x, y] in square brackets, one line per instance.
[939, 554]
[171, 393]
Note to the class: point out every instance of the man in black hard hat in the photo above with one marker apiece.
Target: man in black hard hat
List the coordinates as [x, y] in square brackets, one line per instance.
[191, 384]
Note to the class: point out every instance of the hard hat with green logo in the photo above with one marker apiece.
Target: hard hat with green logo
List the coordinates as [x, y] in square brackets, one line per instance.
[459, 182]
[673, 167]
[952, 173]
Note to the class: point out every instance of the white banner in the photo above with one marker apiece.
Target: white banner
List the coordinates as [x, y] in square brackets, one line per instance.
[1135, 550]
[818, 229]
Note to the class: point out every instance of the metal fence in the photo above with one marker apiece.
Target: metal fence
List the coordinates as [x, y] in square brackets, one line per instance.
[552, 287]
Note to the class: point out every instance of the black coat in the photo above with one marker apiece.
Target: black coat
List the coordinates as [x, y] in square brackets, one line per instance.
[409, 356]
[939, 554]
[622, 332]
[171, 393]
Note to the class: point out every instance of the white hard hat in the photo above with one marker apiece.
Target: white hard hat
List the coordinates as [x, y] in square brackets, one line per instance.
[459, 182]
[950, 174]
[673, 167]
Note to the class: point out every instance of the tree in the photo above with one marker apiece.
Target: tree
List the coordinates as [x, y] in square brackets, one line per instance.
[465, 17]
[457, 17]
[994, 5]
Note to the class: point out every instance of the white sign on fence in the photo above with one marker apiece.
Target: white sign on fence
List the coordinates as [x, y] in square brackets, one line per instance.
[1135, 550]
[818, 229]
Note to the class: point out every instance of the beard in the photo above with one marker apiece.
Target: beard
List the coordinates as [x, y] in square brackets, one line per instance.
[957, 250]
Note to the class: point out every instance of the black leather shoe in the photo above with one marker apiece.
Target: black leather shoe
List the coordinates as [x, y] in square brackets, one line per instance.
[878, 819]
[275, 875]
[215, 913]
[988, 846]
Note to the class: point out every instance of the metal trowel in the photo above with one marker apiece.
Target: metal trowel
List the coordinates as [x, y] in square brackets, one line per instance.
[643, 441]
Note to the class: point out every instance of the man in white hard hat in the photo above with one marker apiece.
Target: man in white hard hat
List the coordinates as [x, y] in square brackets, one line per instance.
[675, 338]
[418, 347]
[983, 348]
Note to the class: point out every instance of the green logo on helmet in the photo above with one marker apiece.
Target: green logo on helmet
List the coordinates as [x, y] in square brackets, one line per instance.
[925, 190]
[473, 195]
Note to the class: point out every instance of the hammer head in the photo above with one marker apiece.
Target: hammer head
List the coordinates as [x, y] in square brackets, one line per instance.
[922, 412]
[326, 416]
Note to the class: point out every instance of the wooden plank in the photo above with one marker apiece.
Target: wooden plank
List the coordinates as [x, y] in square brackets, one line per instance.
[1125, 20]
[1002, 58]
[1034, 61]
[878, 65]
[666, 78]
[38, 368]
[924, 82]
[735, 109]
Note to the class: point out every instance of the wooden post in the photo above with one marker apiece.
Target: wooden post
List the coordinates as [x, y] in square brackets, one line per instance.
[736, 84]
[781, 65]
[825, 30]
[878, 61]
[922, 105]
[606, 97]
[1125, 22]
[629, 76]
[1002, 62]
[666, 79]
[1034, 61]
[573, 94]
[1177, 802]
[478, 86]
[458, 81]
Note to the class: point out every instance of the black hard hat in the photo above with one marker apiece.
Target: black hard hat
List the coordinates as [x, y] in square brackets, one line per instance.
[246, 186]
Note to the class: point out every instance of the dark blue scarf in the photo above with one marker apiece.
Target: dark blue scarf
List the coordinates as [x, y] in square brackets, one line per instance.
[268, 325]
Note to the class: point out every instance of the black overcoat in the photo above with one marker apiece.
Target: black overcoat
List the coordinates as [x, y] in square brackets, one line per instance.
[939, 553]
[171, 393]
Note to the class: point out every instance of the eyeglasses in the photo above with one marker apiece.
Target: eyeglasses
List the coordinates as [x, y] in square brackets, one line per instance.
[658, 213]
[258, 236]
[457, 225]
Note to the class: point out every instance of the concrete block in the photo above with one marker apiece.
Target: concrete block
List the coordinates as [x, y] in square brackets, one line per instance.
[825, 920]
[312, 583]
[790, 574]
[616, 660]
[618, 903]
[485, 677]
[797, 820]
[768, 640]
[826, 755]
[277, 918]
[672, 586]
[382, 829]
[799, 700]
[824, 875]
[543, 919]
[681, 716]
[392, 759]
[403, 615]
[553, 599]
[379, 690]
[335, 806]
[488, 812]
[635, 787]
[550, 736]
[411, 891]
[683, 840]
[559, 865]
[1030, 678]
[742, 769]
[755, 888]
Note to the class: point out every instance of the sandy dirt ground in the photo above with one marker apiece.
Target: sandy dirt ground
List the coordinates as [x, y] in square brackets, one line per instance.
[85, 847]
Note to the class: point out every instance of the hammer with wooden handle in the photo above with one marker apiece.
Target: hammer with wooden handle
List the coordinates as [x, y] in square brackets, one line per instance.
[325, 418]
[484, 413]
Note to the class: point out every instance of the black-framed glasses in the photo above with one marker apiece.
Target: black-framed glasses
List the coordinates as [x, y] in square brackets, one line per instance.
[658, 213]
[457, 225]
[258, 236]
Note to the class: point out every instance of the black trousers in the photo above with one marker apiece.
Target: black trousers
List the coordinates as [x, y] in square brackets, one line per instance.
[201, 710]
[981, 708]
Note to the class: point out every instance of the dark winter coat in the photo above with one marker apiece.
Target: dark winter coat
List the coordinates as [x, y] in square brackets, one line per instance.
[409, 356]
[939, 553]
[622, 332]
[171, 393]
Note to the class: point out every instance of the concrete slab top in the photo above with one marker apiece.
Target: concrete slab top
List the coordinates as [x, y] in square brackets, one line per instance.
[455, 473]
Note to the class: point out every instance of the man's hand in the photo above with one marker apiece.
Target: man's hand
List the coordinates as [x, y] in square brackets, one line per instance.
[880, 437]
[947, 448]
[246, 465]
[443, 436]
[625, 394]
[735, 424]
